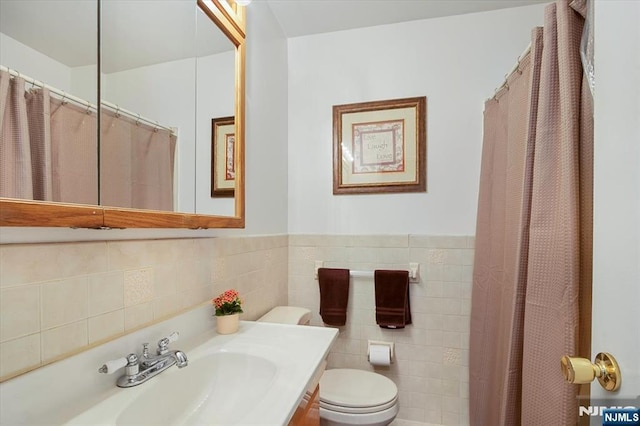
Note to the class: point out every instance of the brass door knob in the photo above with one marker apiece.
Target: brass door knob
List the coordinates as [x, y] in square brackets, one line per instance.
[581, 370]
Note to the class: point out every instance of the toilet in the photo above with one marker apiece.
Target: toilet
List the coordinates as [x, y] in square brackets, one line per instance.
[347, 396]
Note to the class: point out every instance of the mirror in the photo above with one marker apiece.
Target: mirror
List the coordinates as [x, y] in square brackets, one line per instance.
[215, 100]
[139, 57]
[204, 65]
[50, 82]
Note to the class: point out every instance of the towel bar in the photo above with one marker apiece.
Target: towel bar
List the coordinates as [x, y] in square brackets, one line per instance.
[414, 272]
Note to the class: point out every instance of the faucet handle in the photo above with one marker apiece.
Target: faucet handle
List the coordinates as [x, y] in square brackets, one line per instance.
[112, 366]
[132, 367]
[163, 344]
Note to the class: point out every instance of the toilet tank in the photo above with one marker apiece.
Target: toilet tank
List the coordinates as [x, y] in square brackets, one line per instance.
[287, 315]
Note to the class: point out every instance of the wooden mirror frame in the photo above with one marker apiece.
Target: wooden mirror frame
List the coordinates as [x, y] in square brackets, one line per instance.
[230, 18]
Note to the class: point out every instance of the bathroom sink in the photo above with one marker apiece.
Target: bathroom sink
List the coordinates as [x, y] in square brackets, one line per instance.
[256, 376]
[213, 389]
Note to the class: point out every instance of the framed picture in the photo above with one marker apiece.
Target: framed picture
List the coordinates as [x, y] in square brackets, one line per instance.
[223, 172]
[380, 146]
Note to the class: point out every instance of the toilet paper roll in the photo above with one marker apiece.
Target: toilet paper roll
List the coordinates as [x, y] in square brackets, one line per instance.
[380, 355]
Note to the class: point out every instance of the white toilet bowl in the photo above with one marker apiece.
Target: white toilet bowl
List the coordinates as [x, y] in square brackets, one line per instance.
[347, 396]
[357, 397]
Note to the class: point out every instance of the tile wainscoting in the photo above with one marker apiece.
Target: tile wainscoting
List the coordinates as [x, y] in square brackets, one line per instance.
[59, 299]
[431, 367]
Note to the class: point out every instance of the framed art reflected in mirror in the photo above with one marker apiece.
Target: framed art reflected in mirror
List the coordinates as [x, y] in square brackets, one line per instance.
[223, 170]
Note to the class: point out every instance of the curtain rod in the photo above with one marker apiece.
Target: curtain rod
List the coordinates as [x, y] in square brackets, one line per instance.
[67, 97]
[511, 71]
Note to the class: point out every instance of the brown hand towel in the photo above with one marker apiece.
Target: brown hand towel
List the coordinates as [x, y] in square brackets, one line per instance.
[334, 295]
[393, 309]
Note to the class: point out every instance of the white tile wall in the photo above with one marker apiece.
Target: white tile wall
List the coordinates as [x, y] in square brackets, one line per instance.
[58, 299]
[431, 369]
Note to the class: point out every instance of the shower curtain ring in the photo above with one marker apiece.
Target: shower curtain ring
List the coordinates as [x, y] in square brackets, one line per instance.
[138, 119]
[156, 127]
[64, 98]
[117, 111]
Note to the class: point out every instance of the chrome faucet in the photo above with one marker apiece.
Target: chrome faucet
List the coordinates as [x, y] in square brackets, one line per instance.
[140, 369]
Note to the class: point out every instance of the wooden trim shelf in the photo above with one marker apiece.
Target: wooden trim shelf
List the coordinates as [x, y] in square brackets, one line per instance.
[14, 212]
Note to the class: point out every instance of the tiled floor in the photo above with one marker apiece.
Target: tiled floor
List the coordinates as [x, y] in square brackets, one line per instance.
[400, 422]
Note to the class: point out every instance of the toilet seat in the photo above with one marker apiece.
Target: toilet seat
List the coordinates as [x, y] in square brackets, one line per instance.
[346, 390]
[358, 410]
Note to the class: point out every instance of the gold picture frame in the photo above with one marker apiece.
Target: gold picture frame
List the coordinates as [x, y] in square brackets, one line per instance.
[380, 146]
[223, 157]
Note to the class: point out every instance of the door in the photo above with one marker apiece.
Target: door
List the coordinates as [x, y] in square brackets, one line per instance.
[616, 262]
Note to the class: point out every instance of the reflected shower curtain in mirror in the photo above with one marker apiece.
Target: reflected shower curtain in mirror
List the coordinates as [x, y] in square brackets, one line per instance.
[137, 164]
[16, 179]
[48, 149]
[532, 270]
[49, 152]
[74, 153]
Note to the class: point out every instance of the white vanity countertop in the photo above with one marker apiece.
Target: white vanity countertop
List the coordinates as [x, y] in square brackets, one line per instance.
[281, 360]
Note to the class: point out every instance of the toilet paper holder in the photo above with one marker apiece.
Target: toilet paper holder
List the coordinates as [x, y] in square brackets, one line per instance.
[390, 345]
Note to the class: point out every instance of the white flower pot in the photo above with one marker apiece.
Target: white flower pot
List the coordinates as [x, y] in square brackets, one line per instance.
[227, 324]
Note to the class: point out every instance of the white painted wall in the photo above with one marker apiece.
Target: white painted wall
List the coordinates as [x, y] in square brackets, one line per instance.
[78, 81]
[456, 62]
[34, 64]
[616, 260]
[215, 98]
[266, 128]
[84, 83]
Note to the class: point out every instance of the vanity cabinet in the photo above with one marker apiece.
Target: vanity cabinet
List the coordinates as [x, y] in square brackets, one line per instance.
[308, 412]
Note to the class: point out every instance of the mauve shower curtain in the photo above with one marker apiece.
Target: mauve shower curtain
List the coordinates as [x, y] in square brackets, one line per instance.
[39, 115]
[16, 179]
[137, 164]
[533, 240]
[74, 153]
[49, 152]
